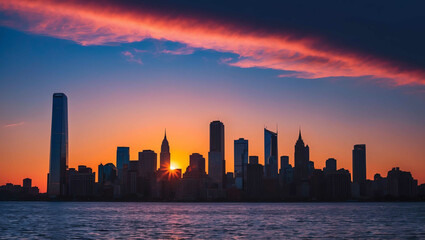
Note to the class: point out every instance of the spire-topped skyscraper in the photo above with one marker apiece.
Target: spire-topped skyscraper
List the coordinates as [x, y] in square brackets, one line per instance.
[301, 158]
[164, 159]
[56, 184]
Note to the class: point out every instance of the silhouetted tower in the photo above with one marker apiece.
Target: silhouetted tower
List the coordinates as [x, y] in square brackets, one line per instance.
[270, 154]
[216, 162]
[123, 158]
[164, 159]
[302, 159]
[241, 162]
[359, 163]
[56, 181]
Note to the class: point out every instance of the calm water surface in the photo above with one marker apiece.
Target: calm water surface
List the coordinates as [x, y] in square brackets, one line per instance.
[56, 220]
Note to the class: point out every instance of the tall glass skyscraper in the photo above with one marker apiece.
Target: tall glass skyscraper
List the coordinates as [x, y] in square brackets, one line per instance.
[56, 182]
[216, 162]
[123, 158]
[270, 154]
[241, 162]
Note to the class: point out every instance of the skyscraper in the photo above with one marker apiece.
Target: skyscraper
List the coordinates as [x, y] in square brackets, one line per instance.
[123, 158]
[148, 162]
[359, 163]
[197, 162]
[164, 158]
[241, 162]
[216, 162]
[302, 159]
[330, 165]
[270, 154]
[56, 181]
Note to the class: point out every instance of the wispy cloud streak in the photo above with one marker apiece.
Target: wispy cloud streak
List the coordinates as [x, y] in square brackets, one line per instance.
[14, 125]
[97, 24]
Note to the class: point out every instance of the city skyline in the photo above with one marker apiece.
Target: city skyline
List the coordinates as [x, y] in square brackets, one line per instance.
[345, 77]
[59, 127]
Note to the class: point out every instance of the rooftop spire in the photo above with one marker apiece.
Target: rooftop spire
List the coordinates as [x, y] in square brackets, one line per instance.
[165, 135]
[299, 136]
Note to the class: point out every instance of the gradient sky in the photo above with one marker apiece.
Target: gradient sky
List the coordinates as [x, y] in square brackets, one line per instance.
[345, 74]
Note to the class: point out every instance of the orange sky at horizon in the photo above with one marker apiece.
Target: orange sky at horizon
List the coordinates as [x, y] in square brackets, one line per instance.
[92, 142]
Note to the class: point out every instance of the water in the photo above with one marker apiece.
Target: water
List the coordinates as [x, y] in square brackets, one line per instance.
[65, 220]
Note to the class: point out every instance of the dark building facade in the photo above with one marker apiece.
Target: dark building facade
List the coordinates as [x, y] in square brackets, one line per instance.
[56, 178]
[123, 158]
[301, 159]
[148, 163]
[270, 154]
[81, 182]
[255, 180]
[216, 162]
[359, 163]
[164, 158]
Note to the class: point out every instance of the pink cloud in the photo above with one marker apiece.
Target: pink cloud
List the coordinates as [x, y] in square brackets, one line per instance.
[95, 23]
[131, 58]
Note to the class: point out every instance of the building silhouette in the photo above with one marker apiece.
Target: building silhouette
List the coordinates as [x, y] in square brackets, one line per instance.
[56, 179]
[359, 163]
[240, 162]
[330, 165]
[148, 162]
[301, 160]
[216, 162]
[194, 185]
[270, 154]
[123, 158]
[164, 157]
[255, 179]
[81, 182]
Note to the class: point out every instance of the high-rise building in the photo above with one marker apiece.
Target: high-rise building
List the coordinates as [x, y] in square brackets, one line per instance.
[56, 185]
[270, 154]
[330, 165]
[148, 162]
[123, 158]
[106, 173]
[81, 182]
[27, 184]
[284, 162]
[197, 162]
[216, 162]
[359, 163]
[255, 179]
[253, 160]
[164, 158]
[302, 160]
[241, 162]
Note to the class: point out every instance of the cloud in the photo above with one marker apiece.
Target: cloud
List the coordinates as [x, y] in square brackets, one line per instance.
[288, 49]
[131, 58]
[14, 125]
[179, 51]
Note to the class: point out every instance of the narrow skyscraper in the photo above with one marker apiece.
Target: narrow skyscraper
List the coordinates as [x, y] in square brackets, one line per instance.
[56, 181]
[270, 154]
[241, 162]
[216, 162]
[123, 158]
[301, 159]
[359, 163]
[164, 158]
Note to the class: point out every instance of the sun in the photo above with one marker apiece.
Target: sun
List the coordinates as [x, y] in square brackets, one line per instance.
[172, 167]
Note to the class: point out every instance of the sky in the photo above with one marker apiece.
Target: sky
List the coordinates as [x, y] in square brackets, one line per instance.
[344, 73]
